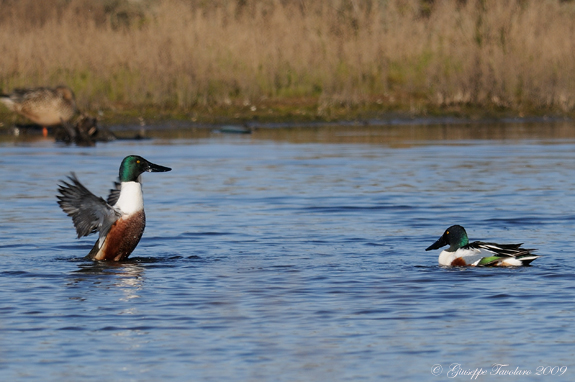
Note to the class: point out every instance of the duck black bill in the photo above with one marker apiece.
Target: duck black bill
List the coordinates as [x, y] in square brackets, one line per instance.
[157, 168]
[438, 244]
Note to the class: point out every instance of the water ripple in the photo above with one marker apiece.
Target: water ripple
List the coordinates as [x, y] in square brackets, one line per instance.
[270, 260]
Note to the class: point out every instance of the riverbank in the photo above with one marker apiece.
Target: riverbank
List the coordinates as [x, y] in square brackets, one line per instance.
[298, 112]
[308, 60]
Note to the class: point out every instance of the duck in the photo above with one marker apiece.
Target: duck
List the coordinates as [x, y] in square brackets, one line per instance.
[43, 106]
[84, 132]
[463, 253]
[120, 220]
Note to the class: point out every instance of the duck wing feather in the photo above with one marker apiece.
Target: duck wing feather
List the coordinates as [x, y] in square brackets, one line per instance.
[501, 250]
[114, 194]
[89, 212]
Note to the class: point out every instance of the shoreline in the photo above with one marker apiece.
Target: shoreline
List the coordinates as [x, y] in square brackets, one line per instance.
[136, 118]
[398, 130]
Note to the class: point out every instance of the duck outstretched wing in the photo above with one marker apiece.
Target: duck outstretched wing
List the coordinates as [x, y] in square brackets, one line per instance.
[89, 212]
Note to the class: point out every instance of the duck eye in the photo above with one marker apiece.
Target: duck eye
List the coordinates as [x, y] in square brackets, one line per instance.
[137, 161]
[447, 232]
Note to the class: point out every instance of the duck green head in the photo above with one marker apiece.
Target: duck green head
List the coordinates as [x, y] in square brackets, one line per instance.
[133, 166]
[455, 236]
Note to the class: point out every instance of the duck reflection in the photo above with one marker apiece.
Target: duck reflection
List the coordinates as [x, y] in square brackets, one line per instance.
[127, 277]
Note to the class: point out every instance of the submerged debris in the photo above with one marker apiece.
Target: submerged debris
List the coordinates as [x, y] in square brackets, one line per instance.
[235, 129]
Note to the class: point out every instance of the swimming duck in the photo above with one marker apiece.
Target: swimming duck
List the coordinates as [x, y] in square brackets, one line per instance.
[44, 106]
[120, 220]
[461, 252]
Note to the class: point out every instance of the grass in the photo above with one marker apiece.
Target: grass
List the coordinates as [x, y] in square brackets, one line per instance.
[320, 59]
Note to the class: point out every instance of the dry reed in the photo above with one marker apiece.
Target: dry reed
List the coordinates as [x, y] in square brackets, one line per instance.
[417, 55]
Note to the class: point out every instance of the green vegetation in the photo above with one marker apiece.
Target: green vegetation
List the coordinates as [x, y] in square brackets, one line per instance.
[307, 59]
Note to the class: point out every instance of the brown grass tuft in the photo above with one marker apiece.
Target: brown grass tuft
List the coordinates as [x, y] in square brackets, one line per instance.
[398, 54]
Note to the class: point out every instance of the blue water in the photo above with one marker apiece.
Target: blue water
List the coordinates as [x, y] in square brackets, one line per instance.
[295, 255]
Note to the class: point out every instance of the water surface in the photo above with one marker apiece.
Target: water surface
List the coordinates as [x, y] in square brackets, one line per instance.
[294, 254]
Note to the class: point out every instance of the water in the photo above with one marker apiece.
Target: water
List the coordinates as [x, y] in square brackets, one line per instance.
[294, 255]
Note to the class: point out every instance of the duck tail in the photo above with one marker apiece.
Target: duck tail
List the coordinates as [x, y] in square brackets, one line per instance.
[527, 259]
